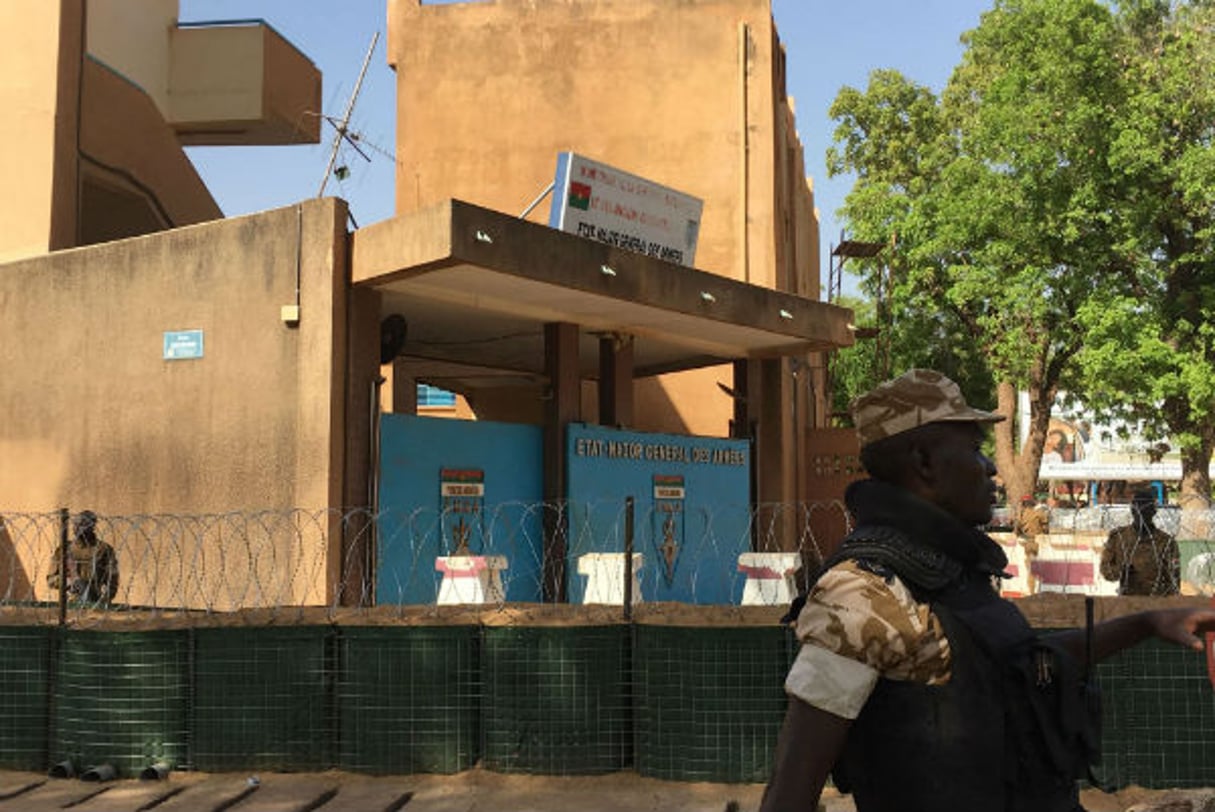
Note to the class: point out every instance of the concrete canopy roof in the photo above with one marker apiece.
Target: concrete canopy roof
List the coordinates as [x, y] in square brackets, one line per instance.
[477, 287]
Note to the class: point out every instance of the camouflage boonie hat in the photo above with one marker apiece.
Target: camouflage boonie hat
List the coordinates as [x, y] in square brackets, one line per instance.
[915, 398]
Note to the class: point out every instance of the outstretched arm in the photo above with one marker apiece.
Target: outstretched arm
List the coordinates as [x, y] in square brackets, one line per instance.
[809, 744]
[1184, 626]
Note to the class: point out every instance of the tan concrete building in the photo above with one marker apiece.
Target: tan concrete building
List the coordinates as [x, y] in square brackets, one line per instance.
[101, 95]
[690, 95]
[272, 407]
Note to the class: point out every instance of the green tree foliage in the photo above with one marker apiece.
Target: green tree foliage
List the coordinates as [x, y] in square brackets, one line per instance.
[853, 369]
[996, 198]
[893, 138]
[1151, 344]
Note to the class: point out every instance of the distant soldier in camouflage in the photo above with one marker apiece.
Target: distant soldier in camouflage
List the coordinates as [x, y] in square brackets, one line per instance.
[1141, 557]
[917, 687]
[92, 565]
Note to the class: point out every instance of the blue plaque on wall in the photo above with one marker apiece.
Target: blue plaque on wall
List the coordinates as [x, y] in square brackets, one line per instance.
[181, 345]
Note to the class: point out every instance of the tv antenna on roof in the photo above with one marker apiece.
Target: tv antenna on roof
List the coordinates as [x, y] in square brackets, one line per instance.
[342, 126]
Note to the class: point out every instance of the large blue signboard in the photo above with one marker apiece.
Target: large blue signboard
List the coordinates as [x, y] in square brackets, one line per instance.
[692, 514]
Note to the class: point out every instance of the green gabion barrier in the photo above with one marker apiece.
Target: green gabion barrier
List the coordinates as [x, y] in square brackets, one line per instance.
[262, 699]
[709, 701]
[557, 699]
[1158, 719]
[120, 698]
[24, 690]
[408, 699]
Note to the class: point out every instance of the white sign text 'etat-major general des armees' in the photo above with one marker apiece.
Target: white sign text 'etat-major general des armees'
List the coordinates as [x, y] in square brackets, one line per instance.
[594, 200]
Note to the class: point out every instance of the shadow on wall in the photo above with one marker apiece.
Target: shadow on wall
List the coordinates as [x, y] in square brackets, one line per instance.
[14, 580]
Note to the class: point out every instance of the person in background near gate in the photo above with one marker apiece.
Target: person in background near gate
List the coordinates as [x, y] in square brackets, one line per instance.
[1033, 520]
[92, 564]
[917, 687]
[1141, 557]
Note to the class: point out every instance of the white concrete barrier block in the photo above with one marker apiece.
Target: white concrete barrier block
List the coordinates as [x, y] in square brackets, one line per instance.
[471, 578]
[769, 577]
[605, 577]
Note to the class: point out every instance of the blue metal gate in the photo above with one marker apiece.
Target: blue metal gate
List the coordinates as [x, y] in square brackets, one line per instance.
[453, 487]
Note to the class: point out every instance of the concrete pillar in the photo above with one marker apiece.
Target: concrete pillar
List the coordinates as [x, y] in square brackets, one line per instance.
[616, 381]
[744, 423]
[774, 455]
[763, 414]
[357, 577]
[563, 406]
[404, 388]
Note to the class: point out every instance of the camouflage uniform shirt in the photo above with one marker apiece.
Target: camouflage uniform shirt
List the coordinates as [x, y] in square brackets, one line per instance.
[1144, 561]
[856, 627]
[92, 571]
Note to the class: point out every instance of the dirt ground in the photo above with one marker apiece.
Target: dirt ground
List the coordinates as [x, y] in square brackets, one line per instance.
[470, 791]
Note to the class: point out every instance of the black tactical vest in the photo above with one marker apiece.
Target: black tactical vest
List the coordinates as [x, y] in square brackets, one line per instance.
[1007, 733]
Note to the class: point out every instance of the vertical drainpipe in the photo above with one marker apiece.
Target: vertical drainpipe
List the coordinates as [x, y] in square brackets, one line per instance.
[744, 216]
[744, 41]
[78, 195]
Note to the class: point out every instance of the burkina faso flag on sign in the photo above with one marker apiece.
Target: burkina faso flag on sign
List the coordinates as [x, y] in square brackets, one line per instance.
[580, 196]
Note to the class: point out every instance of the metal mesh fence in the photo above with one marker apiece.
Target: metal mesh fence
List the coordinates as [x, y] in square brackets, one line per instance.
[1159, 718]
[530, 694]
[25, 676]
[263, 699]
[243, 658]
[120, 698]
[409, 698]
[557, 700]
[719, 720]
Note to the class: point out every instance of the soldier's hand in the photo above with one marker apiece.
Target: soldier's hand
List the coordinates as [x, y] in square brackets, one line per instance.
[1184, 626]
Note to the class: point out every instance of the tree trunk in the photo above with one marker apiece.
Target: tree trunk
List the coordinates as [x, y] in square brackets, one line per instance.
[1196, 471]
[1018, 467]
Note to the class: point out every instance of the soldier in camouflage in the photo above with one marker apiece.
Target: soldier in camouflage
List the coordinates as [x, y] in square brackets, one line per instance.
[92, 565]
[1141, 557]
[917, 687]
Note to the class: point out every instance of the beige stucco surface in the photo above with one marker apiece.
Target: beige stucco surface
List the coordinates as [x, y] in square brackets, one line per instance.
[133, 39]
[100, 95]
[96, 417]
[241, 84]
[690, 95]
[234, 84]
[126, 147]
[38, 128]
[489, 93]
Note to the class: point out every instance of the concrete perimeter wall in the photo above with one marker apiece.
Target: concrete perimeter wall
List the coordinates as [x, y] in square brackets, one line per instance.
[92, 415]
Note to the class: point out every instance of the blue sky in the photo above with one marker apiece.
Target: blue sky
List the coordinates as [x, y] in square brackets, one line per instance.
[829, 44]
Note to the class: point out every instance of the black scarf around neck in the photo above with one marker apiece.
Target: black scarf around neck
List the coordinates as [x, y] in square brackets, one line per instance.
[873, 502]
